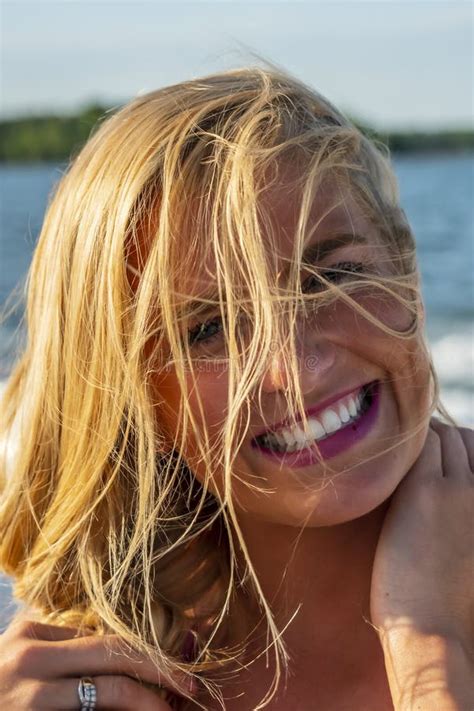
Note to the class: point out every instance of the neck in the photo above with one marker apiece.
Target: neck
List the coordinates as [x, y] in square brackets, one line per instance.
[326, 572]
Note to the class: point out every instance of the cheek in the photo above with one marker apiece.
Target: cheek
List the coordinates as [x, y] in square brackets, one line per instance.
[379, 311]
[404, 359]
[366, 329]
[388, 312]
[209, 389]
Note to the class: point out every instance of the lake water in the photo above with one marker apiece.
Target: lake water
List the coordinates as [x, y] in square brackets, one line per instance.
[437, 193]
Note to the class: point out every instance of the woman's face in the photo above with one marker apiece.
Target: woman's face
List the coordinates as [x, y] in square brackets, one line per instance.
[339, 352]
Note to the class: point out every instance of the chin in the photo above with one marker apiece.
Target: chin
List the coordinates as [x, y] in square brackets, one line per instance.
[335, 498]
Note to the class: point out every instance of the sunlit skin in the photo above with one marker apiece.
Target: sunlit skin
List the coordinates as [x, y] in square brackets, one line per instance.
[329, 570]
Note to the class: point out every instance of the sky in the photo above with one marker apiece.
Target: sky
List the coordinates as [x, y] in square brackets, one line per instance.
[392, 63]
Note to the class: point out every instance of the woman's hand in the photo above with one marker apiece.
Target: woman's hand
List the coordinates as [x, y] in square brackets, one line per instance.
[40, 668]
[422, 590]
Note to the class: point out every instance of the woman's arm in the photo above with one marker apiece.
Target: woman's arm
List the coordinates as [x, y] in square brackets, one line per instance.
[428, 672]
[422, 580]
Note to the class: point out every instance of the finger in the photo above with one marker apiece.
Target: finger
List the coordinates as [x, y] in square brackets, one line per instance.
[429, 462]
[468, 439]
[453, 452]
[107, 654]
[113, 692]
[93, 655]
[22, 626]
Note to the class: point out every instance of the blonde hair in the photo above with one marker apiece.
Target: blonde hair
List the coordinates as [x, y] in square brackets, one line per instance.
[100, 524]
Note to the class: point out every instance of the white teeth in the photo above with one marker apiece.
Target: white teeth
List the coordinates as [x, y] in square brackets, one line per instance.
[316, 428]
[331, 421]
[301, 438]
[352, 407]
[289, 439]
[280, 439]
[299, 435]
[344, 413]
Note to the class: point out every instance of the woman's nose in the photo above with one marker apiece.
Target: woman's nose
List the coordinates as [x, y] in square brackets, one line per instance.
[314, 362]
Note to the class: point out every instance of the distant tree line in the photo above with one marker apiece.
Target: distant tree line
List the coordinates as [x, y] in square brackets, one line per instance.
[47, 138]
[58, 138]
[457, 140]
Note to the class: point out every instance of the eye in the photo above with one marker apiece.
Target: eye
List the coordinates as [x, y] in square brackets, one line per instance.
[210, 331]
[205, 332]
[334, 274]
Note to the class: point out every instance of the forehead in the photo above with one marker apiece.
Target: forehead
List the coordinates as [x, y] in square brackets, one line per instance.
[333, 211]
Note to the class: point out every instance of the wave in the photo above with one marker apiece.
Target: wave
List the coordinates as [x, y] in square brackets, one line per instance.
[453, 357]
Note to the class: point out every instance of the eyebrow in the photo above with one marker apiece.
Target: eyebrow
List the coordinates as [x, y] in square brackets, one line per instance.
[312, 254]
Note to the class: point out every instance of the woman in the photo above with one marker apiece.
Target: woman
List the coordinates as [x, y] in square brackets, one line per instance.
[230, 491]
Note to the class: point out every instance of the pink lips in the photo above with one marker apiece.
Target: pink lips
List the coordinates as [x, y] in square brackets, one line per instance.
[335, 443]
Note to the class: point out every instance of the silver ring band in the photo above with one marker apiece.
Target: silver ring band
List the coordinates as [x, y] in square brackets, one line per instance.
[87, 693]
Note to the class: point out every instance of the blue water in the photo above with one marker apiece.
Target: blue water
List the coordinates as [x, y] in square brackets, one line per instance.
[438, 197]
[437, 193]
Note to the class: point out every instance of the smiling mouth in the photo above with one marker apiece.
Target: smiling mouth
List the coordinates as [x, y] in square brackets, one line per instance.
[337, 416]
